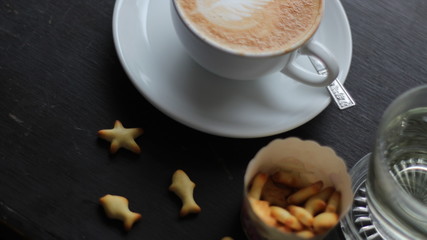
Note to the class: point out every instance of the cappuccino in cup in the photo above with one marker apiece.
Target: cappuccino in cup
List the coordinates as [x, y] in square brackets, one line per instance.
[250, 39]
[253, 26]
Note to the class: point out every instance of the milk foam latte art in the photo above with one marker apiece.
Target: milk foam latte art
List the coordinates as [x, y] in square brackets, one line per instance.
[253, 26]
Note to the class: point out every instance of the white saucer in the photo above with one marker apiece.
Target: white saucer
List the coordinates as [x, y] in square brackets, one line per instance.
[156, 63]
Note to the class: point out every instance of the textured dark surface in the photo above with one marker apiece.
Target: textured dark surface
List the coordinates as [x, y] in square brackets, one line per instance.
[61, 81]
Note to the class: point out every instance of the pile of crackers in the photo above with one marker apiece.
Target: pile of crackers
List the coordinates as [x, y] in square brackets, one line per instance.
[286, 201]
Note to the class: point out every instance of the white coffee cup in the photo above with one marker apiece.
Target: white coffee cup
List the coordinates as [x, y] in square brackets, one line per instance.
[240, 64]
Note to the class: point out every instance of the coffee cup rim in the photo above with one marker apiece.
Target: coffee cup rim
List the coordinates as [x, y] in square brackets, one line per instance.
[305, 39]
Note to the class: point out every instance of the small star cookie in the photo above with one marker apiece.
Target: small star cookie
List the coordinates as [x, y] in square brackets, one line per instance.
[121, 137]
[117, 207]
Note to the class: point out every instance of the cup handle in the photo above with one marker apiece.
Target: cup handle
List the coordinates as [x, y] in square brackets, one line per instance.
[315, 49]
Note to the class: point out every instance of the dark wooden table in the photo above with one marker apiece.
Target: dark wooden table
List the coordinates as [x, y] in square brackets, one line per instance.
[61, 82]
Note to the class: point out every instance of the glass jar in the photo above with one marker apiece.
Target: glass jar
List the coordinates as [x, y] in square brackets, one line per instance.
[397, 178]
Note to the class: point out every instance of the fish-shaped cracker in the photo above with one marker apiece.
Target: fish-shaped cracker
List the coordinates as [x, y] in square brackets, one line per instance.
[183, 187]
[117, 207]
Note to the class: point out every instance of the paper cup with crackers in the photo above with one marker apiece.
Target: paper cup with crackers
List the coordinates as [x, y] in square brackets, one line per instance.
[294, 189]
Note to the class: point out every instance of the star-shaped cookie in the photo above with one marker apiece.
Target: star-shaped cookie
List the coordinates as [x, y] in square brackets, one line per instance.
[121, 137]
